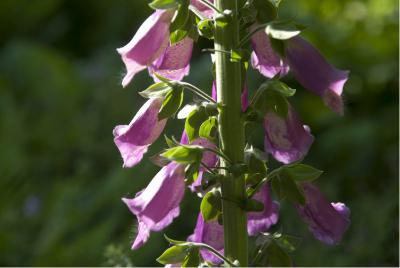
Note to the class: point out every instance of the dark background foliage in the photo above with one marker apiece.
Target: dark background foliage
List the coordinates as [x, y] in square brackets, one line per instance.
[60, 97]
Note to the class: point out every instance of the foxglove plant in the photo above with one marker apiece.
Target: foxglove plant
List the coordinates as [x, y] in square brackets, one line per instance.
[214, 158]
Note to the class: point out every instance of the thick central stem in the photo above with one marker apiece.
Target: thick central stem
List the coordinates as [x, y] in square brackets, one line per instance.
[231, 131]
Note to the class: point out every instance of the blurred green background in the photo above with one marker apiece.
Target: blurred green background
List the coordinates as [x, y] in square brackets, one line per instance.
[61, 178]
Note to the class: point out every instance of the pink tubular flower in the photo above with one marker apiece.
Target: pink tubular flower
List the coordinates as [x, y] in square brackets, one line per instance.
[210, 233]
[158, 204]
[327, 221]
[174, 62]
[149, 42]
[264, 58]
[134, 139]
[204, 10]
[286, 138]
[261, 221]
[315, 74]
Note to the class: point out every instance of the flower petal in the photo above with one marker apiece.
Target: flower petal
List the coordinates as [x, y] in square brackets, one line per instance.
[327, 221]
[158, 204]
[148, 43]
[261, 221]
[134, 139]
[174, 63]
[210, 233]
[286, 138]
[314, 73]
[204, 10]
[264, 58]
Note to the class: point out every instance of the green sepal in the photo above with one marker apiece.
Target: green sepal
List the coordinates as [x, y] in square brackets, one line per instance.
[164, 4]
[192, 259]
[192, 172]
[184, 154]
[174, 254]
[172, 102]
[178, 35]
[194, 121]
[209, 128]
[283, 29]
[211, 206]
[157, 90]
[300, 172]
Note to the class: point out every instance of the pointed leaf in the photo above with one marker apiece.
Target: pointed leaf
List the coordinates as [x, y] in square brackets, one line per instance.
[211, 205]
[174, 254]
[164, 4]
[172, 102]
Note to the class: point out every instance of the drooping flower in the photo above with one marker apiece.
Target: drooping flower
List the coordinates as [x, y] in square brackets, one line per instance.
[210, 233]
[149, 42]
[174, 62]
[264, 58]
[158, 204]
[134, 139]
[286, 138]
[261, 221]
[327, 221]
[314, 73]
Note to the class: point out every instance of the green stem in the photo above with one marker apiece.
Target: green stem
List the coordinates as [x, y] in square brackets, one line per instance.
[231, 131]
[197, 91]
[215, 252]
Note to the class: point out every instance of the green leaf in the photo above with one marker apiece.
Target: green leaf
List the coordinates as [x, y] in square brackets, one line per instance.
[266, 11]
[156, 90]
[194, 121]
[170, 142]
[210, 205]
[172, 102]
[271, 96]
[300, 172]
[182, 16]
[208, 128]
[164, 4]
[186, 110]
[255, 160]
[282, 88]
[206, 28]
[285, 187]
[288, 242]
[283, 30]
[192, 259]
[177, 242]
[276, 256]
[192, 172]
[174, 254]
[184, 154]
